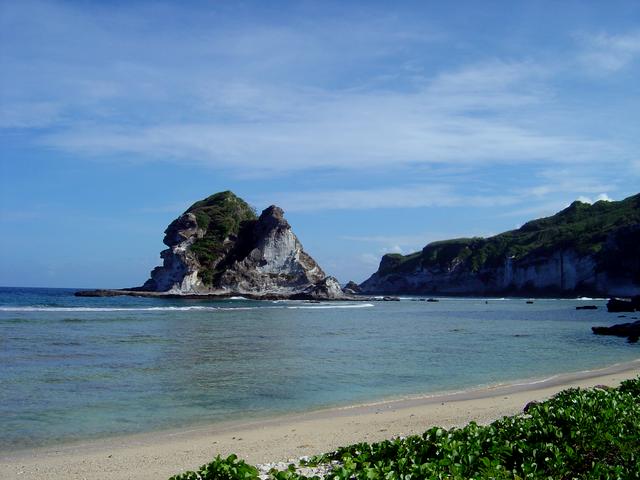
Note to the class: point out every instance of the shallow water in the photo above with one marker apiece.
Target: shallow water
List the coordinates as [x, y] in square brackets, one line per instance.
[75, 368]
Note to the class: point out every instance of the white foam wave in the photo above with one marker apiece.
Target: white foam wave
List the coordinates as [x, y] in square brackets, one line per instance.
[356, 305]
[197, 308]
[120, 309]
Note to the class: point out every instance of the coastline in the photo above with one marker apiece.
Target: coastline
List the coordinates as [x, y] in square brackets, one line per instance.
[158, 455]
[368, 296]
[226, 295]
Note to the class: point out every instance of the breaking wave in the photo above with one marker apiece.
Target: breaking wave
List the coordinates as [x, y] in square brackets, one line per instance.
[170, 309]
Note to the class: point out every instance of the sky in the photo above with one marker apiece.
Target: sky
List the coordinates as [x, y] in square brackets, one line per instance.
[377, 126]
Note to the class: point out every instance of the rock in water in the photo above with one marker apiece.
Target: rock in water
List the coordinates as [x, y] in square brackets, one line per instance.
[327, 288]
[624, 305]
[352, 288]
[629, 330]
[218, 246]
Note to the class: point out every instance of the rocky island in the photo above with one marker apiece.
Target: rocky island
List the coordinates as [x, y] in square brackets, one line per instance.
[582, 250]
[220, 247]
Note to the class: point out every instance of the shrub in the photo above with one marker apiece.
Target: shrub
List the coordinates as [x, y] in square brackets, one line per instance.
[229, 468]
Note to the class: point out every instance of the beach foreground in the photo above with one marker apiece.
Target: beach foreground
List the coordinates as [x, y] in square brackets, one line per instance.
[159, 455]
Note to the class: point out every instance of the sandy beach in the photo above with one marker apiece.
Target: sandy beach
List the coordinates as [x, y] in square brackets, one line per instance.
[159, 455]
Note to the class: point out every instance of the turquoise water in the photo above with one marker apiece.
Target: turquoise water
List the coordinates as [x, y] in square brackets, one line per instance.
[75, 368]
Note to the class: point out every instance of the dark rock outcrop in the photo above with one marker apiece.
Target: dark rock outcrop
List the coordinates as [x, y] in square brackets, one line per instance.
[624, 304]
[629, 330]
[352, 288]
[530, 406]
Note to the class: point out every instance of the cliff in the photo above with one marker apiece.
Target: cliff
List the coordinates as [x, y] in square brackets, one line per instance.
[584, 249]
[219, 246]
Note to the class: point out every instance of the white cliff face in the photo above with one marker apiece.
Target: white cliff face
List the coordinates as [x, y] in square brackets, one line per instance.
[561, 271]
[277, 264]
[280, 253]
[179, 271]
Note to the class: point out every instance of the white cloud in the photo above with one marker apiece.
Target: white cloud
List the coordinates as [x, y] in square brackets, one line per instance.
[606, 53]
[273, 98]
[406, 196]
[561, 183]
[550, 207]
[602, 196]
[263, 127]
[33, 114]
[392, 249]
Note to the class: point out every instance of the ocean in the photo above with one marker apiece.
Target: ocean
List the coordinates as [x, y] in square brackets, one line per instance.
[74, 368]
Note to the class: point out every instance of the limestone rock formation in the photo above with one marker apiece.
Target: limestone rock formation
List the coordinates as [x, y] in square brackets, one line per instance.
[218, 246]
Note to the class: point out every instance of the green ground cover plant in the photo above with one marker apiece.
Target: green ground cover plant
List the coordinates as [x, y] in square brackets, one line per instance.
[579, 433]
[220, 216]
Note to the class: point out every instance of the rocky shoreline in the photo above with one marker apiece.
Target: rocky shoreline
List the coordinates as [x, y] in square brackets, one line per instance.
[217, 296]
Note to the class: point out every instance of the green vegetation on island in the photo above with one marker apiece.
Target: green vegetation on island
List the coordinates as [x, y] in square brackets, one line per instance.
[581, 227]
[579, 433]
[221, 216]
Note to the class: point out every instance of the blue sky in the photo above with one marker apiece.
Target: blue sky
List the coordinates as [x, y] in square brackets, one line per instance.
[377, 126]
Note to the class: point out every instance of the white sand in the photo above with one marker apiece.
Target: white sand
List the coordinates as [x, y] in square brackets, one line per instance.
[162, 454]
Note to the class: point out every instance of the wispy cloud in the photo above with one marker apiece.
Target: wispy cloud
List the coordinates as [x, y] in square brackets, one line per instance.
[369, 259]
[565, 181]
[33, 114]
[406, 196]
[606, 53]
[272, 97]
[434, 123]
[400, 240]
